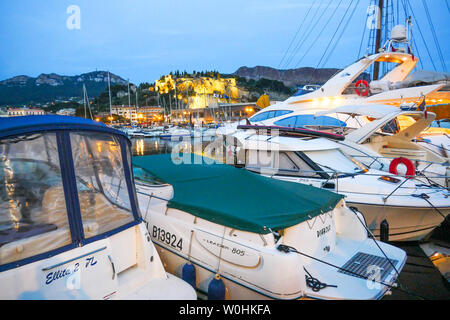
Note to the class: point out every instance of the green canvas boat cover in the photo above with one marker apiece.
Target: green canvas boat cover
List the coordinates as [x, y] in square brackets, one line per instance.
[236, 198]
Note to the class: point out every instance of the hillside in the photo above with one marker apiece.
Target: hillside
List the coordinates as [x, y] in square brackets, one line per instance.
[50, 87]
[290, 77]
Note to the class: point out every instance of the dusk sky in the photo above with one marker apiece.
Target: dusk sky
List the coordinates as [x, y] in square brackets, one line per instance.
[144, 39]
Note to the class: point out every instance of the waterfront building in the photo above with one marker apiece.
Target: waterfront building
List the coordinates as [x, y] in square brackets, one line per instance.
[14, 112]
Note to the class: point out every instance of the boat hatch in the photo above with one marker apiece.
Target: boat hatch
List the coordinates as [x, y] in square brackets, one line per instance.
[367, 265]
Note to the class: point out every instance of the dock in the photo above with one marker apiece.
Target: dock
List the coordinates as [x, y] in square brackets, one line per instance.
[419, 279]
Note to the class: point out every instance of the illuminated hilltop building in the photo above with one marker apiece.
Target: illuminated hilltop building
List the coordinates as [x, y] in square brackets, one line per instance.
[201, 92]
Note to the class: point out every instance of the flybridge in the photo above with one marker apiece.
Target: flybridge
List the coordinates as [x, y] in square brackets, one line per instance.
[294, 132]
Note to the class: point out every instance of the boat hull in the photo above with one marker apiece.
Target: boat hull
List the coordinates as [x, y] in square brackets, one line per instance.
[174, 137]
[405, 223]
[234, 290]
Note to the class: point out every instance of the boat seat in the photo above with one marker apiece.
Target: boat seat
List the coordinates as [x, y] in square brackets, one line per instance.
[53, 212]
[99, 215]
[28, 247]
[54, 209]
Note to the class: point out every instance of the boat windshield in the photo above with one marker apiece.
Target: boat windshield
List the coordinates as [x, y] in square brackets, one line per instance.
[334, 160]
[33, 214]
[445, 123]
[146, 177]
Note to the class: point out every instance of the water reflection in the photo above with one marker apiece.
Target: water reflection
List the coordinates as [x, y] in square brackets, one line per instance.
[139, 147]
[147, 146]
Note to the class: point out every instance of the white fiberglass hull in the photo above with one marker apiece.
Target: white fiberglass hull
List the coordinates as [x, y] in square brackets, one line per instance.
[172, 262]
[410, 218]
[405, 223]
[125, 265]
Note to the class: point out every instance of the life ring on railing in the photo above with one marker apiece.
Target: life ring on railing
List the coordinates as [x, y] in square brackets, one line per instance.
[364, 86]
[410, 168]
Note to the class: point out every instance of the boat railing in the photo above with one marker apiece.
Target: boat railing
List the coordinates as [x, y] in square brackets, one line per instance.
[429, 163]
[341, 174]
[335, 175]
[422, 172]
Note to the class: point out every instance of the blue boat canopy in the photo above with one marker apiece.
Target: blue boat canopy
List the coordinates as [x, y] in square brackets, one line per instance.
[234, 197]
[37, 123]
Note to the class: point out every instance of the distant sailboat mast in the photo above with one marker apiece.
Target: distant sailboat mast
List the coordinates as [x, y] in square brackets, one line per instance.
[136, 106]
[86, 101]
[110, 106]
[129, 102]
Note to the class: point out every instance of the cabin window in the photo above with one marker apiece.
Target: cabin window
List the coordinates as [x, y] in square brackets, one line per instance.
[33, 213]
[102, 188]
[310, 120]
[258, 159]
[279, 163]
[334, 161]
[391, 127]
[285, 163]
[290, 164]
[269, 115]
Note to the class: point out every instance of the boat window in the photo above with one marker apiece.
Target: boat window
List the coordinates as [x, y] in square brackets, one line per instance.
[306, 89]
[258, 159]
[281, 163]
[335, 161]
[391, 127]
[444, 123]
[269, 115]
[102, 187]
[309, 120]
[33, 214]
[285, 163]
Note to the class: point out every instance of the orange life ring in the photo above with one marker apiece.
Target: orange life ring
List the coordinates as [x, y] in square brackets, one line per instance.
[410, 168]
[358, 85]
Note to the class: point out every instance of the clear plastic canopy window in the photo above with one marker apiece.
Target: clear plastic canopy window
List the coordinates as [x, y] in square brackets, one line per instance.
[33, 214]
[102, 188]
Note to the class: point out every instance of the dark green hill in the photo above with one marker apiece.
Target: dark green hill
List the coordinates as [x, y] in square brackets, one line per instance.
[51, 87]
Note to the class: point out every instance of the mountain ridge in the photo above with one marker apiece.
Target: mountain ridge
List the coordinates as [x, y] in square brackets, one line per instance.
[46, 87]
[290, 77]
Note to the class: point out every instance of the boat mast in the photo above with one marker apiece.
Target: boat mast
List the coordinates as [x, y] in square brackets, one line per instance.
[84, 100]
[110, 106]
[376, 66]
[129, 102]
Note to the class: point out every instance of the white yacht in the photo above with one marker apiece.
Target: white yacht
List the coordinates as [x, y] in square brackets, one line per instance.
[351, 87]
[380, 143]
[411, 206]
[235, 234]
[175, 133]
[70, 226]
